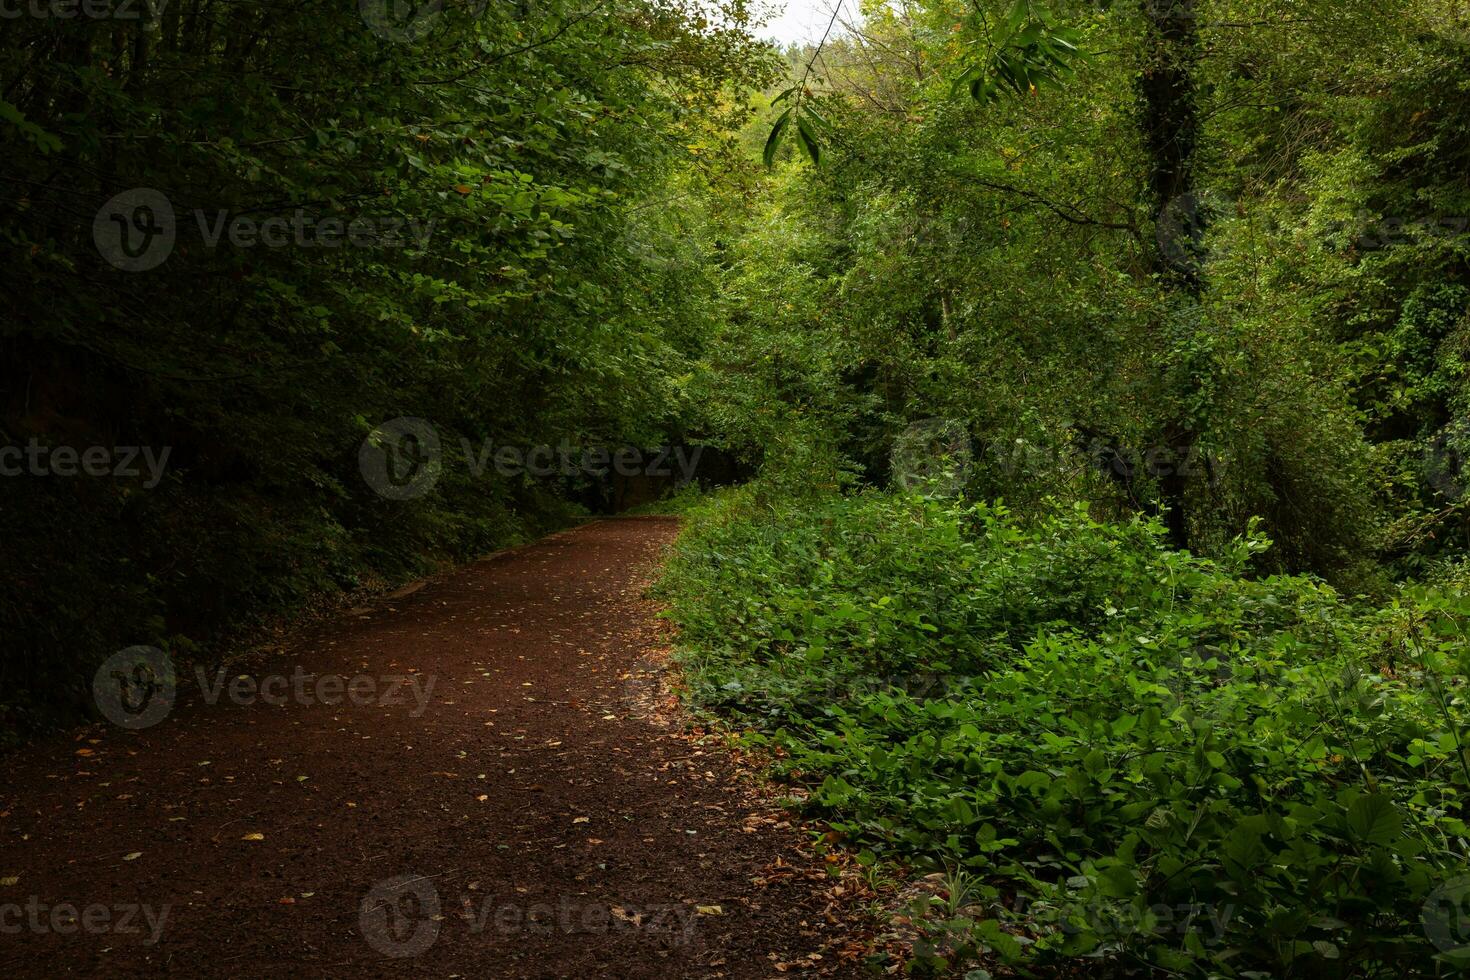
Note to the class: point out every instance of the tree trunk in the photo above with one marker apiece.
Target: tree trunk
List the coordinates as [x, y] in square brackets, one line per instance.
[1170, 123]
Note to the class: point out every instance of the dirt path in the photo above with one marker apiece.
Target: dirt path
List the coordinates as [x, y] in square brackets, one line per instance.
[501, 803]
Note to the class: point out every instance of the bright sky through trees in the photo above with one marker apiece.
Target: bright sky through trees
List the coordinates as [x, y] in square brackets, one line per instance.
[795, 21]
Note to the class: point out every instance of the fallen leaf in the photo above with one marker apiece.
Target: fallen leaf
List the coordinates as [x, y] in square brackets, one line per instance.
[709, 910]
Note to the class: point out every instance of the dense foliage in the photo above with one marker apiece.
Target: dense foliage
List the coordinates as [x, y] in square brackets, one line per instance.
[1156, 275]
[505, 164]
[1288, 329]
[1127, 751]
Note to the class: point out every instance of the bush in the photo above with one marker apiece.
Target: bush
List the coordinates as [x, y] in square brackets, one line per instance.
[1141, 755]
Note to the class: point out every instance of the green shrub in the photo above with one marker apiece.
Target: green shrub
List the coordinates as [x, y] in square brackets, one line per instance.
[1144, 756]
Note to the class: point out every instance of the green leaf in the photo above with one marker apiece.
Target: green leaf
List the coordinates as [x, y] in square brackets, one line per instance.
[816, 117]
[773, 142]
[1374, 819]
[809, 140]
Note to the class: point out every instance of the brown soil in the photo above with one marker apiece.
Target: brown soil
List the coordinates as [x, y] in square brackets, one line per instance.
[539, 817]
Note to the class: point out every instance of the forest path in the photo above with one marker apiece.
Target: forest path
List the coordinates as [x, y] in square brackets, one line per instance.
[490, 792]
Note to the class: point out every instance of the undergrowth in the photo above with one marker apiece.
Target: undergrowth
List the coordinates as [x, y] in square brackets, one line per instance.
[1132, 754]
